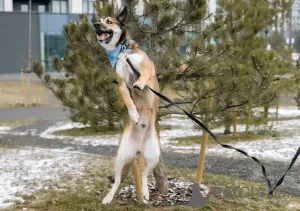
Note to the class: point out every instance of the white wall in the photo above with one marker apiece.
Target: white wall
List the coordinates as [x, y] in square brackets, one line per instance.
[8, 5]
[75, 6]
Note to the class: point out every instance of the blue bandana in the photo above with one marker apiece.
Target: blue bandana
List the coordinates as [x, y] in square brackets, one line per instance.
[113, 55]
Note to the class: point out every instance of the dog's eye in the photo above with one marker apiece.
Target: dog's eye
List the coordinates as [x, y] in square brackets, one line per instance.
[109, 22]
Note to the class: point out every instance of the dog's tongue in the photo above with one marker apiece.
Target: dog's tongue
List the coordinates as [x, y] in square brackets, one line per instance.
[103, 36]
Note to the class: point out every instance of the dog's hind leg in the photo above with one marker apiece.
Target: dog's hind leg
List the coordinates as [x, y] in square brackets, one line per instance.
[151, 153]
[125, 155]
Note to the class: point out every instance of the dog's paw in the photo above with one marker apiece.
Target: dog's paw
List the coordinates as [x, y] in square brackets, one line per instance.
[107, 199]
[140, 85]
[134, 115]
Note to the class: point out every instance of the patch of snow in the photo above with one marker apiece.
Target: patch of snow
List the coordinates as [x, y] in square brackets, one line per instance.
[23, 171]
[283, 149]
[4, 129]
[110, 140]
[83, 140]
[184, 149]
[60, 126]
[275, 148]
[286, 111]
[177, 121]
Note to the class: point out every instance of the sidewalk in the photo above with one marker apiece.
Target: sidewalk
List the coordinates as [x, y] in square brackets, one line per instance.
[52, 113]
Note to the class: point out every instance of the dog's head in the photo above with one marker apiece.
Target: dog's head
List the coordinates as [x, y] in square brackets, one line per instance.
[109, 30]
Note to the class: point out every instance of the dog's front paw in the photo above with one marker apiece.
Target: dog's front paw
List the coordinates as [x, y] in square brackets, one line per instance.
[140, 85]
[107, 199]
[134, 115]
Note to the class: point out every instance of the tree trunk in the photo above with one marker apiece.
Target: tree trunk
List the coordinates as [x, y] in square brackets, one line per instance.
[227, 129]
[248, 116]
[161, 177]
[227, 122]
[159, 172]
[266, 114]
[234, 120]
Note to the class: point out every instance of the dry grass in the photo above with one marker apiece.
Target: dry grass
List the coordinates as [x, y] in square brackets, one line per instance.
[88, 191]
[18, 122]
[13, 94]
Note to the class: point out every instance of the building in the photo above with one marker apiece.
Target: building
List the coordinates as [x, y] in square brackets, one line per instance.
[295, 15]
[48, 18]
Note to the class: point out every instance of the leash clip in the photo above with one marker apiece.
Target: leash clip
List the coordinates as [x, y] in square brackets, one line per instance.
[124, 46]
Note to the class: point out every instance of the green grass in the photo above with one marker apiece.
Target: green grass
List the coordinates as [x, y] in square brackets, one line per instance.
[251, 136]
[87, 131]
[79, 197]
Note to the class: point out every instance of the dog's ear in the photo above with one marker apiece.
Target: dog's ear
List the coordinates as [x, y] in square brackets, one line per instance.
[123, 15]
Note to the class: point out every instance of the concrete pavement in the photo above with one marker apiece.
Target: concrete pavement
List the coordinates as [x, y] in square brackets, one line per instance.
[52, 113]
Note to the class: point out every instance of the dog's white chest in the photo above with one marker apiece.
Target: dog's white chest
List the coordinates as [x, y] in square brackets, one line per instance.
[123, 69]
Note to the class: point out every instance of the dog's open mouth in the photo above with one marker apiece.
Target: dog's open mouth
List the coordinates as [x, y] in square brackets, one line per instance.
[104, 35]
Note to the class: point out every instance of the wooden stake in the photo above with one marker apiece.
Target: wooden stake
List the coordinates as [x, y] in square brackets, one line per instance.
[200, 167]
[137, 181]
[141, 164]
[248, 119]
[234, 120]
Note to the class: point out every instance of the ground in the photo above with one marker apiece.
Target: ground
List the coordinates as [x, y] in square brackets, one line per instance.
[42, 170]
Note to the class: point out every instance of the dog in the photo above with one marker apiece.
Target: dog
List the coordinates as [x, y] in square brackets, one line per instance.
[140, 135]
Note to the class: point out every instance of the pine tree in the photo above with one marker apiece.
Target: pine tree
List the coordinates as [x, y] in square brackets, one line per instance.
[250, 69]
[85, 83]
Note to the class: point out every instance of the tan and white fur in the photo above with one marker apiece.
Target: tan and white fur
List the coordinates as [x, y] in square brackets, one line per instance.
[140, 133]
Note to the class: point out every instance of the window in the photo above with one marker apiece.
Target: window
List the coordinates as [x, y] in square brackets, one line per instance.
[59, 7]
[88, 7]
[1, 5]
[63, 7]
[55, 45]
[41, 8]
[56, 6]
[24, 8]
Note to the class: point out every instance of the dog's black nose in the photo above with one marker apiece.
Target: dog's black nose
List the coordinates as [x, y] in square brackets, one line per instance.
[97, 25]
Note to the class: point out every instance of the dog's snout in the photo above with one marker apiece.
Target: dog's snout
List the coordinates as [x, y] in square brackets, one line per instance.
[97, 25]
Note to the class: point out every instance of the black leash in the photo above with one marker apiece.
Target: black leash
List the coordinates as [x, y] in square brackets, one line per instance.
[201, 124]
